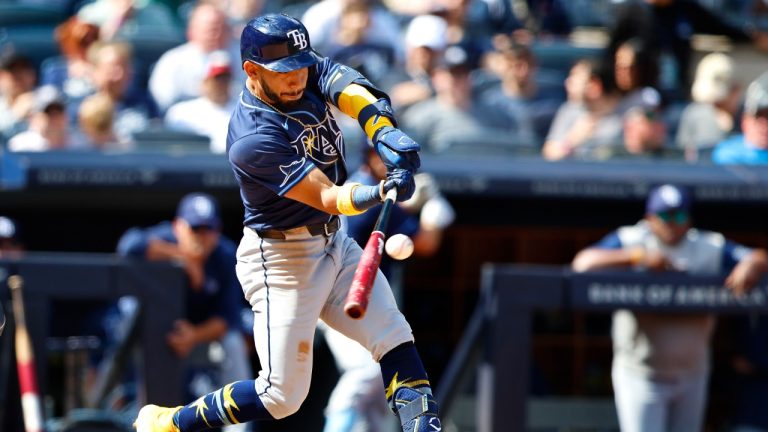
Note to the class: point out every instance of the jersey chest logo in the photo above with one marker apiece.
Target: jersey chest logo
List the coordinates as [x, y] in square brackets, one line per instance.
[321, 142]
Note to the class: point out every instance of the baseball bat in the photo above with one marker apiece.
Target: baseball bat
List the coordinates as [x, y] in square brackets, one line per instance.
[365, 274]
[25, 361]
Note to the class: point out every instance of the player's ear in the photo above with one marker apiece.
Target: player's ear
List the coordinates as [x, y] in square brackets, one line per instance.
[251, 69]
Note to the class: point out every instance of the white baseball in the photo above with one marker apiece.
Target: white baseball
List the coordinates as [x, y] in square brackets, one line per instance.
[399, 246]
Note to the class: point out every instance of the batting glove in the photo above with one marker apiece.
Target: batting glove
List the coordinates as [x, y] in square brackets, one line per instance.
[402, 180]
[396, 149]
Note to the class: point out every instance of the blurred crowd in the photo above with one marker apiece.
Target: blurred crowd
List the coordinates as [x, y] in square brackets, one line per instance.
[502, 77]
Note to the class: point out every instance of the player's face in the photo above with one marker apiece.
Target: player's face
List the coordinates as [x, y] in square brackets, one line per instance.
[670, 226]
[196, 241]
[283, 88]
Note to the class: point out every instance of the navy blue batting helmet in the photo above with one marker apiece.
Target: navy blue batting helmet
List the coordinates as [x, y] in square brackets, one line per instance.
[278, 42]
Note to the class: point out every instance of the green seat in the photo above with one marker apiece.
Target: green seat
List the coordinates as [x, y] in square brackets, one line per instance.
[17, 14]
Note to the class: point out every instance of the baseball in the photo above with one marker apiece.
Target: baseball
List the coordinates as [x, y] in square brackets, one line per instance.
[399, 246]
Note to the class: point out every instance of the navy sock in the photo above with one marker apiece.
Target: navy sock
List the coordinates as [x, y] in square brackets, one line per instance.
[402, 367]
[234, 403]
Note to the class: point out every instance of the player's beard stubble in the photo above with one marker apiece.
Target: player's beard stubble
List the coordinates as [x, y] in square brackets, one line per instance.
[275, 98]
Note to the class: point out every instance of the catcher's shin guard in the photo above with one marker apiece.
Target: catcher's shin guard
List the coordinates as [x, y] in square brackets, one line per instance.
[416, 409]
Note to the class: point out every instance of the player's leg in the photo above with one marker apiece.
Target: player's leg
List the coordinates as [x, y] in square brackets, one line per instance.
[641, 403]
[286, 296]
[357, 396]
[686, 411]
[386, 334]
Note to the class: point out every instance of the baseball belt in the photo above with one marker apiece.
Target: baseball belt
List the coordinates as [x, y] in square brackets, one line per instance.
[325, 229]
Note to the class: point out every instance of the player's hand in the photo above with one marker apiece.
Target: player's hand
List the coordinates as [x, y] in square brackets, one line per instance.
[437, 214]
[743, 278]
[402, 180]
[426, 189]
[182, 338]
[396, 149]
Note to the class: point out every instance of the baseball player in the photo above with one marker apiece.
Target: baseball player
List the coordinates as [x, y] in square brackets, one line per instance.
[294, 265]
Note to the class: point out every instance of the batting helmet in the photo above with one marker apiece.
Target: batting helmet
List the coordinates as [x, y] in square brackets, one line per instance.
[278, 42]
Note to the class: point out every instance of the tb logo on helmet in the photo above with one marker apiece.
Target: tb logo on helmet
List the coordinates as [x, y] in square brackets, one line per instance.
[299, 38]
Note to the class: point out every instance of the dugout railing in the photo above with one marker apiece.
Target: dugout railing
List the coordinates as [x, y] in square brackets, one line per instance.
[53, 282]
[496, 345]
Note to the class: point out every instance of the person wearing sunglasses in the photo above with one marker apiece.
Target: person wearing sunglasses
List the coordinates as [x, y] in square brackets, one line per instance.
[661, 361]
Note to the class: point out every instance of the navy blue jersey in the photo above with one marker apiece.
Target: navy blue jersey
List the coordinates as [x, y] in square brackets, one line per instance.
[221, 295]
[270, 152]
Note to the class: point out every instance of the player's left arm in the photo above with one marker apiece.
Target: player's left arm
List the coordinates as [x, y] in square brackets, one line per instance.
[357, 97]
[318, 191]
[750, 266]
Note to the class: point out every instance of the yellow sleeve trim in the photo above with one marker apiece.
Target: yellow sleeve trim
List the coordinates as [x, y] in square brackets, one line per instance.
[344, 200]
[353, 99]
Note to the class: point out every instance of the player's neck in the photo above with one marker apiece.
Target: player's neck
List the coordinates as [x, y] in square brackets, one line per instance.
[255, 88]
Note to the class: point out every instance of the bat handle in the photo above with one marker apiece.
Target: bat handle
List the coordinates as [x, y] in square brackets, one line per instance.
[391, 195]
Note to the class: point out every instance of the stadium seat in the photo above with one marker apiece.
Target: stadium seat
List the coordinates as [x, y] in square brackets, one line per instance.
[19, 14]
[165, 140]
[35, 42]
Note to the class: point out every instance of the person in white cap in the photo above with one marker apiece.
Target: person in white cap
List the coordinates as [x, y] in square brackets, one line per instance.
[209, 113]
[716, 96]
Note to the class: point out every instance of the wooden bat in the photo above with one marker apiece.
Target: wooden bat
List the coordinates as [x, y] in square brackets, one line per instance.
[25, 361]
[365, 274]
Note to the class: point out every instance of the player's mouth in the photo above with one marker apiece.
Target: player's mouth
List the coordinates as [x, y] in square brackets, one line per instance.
[292, 95]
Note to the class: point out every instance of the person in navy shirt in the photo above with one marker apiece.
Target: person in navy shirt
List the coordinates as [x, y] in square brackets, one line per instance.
[213, 302]
[295, 266]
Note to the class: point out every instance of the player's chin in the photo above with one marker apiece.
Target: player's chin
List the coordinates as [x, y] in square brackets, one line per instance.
[289, 98]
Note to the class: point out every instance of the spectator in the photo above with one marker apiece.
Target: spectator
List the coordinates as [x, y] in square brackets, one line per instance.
[96, 118]
[424, 46]
[214, 299]
[712, 115]
[750, 147]
[645, 133]
[349, 45]
[126, 18]
[453, 116]
[207, 32]
[661, 362]
[356, 403]
[208, 114]
[590, 120]
[519, 95]
[667, 26]
[113, 77]
[635, 68]
[17, 84]
[323, 18]
[11, 244]
[71, 72]
[48, 124]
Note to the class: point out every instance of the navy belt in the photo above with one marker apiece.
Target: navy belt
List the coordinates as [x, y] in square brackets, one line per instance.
[325, 229]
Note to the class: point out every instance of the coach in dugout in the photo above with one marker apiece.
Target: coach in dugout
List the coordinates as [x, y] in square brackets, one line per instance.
[661, 361]
[213, 302]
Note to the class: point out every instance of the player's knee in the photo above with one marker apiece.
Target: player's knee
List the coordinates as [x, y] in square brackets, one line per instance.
[287, 401]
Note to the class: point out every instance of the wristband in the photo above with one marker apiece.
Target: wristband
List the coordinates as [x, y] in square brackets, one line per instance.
[344, 200]
[636, 256]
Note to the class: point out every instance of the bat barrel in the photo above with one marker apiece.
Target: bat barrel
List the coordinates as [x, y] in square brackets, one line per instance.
[25, 362]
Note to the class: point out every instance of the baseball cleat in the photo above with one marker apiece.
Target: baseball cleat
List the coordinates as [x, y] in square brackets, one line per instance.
[153, 418]
[417, 410]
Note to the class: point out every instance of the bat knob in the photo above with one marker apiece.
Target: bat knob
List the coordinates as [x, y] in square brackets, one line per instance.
[354, 310]
[15, 282]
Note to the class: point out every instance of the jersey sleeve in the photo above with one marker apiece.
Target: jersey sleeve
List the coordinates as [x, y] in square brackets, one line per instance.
[610, 241]
[270, 161]
[133, 243]
[333, 77]
[732, 254]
